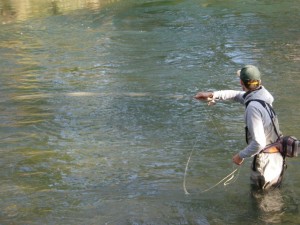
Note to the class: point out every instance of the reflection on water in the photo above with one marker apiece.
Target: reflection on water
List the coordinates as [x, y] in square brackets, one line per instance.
[97, 118]
[14, 10]
[270, 205]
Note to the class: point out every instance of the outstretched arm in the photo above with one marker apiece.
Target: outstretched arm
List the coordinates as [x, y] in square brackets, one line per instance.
[221, 95]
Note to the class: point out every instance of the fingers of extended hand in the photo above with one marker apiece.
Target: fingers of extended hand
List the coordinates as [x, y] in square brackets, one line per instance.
[203, 95]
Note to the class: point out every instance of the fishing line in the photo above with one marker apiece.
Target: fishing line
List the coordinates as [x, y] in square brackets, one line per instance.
[231, 176]
[227, 179]
[186, 168]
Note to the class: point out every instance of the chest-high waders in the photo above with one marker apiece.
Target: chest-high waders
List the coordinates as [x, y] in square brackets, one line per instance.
[271, 148]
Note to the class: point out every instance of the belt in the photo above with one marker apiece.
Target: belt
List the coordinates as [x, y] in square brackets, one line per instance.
[272, 149]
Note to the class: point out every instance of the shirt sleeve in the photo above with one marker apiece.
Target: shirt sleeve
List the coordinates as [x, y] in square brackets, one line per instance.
[229, 95]
[256, 130]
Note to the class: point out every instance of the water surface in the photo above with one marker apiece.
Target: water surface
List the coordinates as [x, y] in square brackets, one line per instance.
[97, 118]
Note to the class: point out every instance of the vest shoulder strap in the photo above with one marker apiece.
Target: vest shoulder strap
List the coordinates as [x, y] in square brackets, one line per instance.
[264, 104]
[270, 111]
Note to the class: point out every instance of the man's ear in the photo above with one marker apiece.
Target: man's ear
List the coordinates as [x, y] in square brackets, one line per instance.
[243, 85]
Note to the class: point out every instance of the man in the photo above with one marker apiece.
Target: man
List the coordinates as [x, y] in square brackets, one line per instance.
[261, 131]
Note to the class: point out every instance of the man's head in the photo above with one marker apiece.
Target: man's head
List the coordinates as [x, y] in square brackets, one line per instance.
[250, 77]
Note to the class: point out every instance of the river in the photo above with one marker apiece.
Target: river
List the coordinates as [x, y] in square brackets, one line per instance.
[98, 120]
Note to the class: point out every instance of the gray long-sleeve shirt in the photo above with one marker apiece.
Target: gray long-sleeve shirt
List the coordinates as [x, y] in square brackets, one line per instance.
[260, 127]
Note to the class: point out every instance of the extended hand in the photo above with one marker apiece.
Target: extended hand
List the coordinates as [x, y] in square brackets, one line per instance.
[204, 95]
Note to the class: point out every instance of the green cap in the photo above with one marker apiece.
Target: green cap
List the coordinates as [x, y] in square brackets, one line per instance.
[249, 72]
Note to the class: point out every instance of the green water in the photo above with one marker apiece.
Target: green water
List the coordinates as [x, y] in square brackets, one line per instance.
[97, 118]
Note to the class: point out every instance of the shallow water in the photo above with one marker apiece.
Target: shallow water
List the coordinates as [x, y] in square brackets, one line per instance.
[97, 118]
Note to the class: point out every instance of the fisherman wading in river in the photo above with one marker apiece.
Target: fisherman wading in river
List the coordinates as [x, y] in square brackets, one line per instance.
[262, 128]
